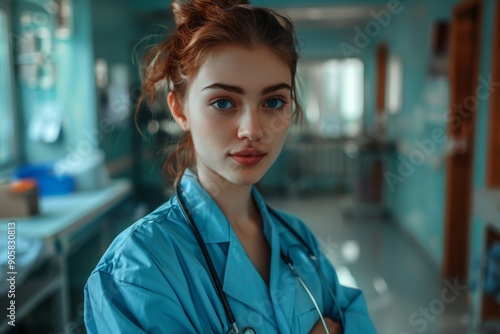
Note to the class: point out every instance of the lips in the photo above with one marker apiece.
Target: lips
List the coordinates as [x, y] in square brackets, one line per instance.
[248, 157]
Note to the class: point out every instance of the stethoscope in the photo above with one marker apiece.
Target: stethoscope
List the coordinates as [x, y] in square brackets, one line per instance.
[233, 327]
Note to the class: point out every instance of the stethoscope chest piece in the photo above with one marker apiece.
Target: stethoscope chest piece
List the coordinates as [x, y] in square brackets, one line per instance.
[246, 330]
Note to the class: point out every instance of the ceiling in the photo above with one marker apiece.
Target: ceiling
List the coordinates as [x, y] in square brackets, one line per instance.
[164, 4]
[315, 14]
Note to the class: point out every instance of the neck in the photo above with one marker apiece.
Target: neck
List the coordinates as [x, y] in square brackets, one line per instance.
[235, 201]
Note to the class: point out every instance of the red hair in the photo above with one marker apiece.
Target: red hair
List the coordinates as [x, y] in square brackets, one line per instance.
[202, 26]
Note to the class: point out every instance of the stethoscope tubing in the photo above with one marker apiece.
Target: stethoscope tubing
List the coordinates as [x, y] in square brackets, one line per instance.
[301, 281]
[211, 267]
[330, 291]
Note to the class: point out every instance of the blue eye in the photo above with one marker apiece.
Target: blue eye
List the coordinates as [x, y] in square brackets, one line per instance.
[275, 103]
[222, 104]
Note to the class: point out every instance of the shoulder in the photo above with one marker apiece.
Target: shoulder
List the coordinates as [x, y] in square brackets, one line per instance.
[142, 245]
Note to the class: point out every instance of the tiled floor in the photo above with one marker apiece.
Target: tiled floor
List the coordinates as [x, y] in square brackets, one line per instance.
[403, 288]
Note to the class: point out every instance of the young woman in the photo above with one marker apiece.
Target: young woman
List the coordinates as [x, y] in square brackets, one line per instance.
[215, 258]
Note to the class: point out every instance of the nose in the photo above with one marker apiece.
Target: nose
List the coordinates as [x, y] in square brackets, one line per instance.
[250, 126]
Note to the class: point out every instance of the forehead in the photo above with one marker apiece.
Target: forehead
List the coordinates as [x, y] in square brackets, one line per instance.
[249, 68]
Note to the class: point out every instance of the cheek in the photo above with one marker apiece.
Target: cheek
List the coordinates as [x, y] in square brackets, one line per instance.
[209, 134]
[277, 129]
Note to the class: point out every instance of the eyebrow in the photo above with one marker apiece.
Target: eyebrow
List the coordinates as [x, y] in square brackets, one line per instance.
[241, 91]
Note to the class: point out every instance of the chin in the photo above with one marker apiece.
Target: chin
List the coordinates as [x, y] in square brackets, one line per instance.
[245, 177]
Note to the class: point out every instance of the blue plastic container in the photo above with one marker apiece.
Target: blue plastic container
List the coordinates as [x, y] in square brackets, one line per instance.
[49, 183]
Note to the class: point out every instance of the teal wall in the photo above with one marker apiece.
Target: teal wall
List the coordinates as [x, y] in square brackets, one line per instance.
[417, 201]
[73, 92]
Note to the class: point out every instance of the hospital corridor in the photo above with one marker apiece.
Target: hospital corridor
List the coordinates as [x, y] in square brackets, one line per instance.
[196, 166]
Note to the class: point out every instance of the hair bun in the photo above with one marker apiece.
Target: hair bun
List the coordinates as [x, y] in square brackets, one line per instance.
[184, 10]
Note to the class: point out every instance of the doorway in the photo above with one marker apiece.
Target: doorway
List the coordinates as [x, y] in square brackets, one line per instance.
[464, 69]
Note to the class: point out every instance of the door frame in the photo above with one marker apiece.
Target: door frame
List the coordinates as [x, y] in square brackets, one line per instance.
[460, 163]
[382, 54]
[493, 161]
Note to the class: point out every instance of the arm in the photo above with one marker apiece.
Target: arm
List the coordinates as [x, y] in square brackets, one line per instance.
[357, 319]
[114, 306]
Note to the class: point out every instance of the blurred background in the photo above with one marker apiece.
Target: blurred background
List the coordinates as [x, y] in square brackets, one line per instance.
[395, 167]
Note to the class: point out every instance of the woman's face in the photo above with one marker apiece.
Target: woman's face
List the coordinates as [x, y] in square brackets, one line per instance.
[238, 110]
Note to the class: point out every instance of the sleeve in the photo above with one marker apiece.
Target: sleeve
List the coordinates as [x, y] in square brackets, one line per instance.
[353, 304]
[114, 306]
[351, 301]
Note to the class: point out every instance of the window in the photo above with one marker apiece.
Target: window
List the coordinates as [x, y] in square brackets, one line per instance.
[332, 92]
[394, 93]
[8, 149]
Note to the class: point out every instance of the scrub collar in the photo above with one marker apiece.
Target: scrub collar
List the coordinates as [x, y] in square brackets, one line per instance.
[210, 220]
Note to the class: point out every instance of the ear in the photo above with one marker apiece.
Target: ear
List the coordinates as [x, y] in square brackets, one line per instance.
[177, 111]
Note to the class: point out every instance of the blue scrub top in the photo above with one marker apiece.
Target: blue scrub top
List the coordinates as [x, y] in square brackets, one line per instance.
[154, 279]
